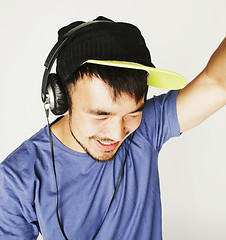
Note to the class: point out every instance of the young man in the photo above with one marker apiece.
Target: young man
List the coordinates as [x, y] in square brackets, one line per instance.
[101, 182]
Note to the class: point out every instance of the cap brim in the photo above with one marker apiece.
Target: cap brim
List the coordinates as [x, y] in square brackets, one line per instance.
[157, 77]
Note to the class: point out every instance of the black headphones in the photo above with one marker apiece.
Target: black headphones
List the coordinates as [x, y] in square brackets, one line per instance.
[53, 92]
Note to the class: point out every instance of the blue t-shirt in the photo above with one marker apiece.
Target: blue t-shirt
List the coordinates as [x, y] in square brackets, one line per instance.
[28, 188]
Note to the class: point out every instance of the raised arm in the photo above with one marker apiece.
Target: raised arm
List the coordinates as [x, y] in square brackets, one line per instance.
[206, 93]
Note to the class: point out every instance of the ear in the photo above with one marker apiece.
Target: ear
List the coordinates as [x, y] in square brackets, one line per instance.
[57, 94]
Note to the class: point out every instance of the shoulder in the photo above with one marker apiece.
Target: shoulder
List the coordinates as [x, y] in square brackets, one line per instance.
[160, 107]
[27, 152]
[19, 169]
[159, 120]
[166, 100]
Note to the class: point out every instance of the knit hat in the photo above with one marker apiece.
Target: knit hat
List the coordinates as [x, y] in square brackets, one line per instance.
[106, 42]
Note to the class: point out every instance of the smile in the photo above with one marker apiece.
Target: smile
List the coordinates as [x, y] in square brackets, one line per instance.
[106, 146]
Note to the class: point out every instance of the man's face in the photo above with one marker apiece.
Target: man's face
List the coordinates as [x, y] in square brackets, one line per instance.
[98, 122]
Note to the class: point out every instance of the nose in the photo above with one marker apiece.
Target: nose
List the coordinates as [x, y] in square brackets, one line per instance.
[116, 129]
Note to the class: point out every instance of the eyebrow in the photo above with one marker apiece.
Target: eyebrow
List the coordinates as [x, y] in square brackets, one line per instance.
[104, 113]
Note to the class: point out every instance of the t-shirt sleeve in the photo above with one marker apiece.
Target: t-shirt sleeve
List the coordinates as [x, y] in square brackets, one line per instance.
[17, 217]
[159, 121]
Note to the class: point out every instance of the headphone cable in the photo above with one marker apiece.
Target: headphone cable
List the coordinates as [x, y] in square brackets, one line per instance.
[57, 189]
[116, 189]
[55, 175]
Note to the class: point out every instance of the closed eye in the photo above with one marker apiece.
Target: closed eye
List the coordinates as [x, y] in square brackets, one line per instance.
[100, 118]
[134, 115]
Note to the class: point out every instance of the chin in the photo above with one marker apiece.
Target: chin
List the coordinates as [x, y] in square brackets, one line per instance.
[104, 160]
[106, 157]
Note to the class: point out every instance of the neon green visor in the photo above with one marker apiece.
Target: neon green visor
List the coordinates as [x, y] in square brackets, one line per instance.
[156, 77]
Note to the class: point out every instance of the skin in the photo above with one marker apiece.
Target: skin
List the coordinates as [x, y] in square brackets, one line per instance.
[98, 123]
[205, 94]
[96, 117]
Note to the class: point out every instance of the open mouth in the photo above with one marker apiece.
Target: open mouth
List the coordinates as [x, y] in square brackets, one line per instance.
[106, 146]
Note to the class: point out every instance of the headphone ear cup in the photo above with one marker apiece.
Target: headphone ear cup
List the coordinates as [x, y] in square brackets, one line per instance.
[57, 95]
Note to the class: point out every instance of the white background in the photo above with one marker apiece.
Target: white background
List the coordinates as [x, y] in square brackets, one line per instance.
[181, 36]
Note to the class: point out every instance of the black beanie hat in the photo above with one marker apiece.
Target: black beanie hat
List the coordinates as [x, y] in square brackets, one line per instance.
[103, 40]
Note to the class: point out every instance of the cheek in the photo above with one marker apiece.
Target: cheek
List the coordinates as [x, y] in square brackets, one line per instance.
[85, 126]
[134, 123]
[92, 127]
[79, 124]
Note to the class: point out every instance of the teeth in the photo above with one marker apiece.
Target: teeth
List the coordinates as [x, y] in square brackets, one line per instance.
[104, 143]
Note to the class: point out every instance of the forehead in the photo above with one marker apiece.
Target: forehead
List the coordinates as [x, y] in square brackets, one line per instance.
[94, 92]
